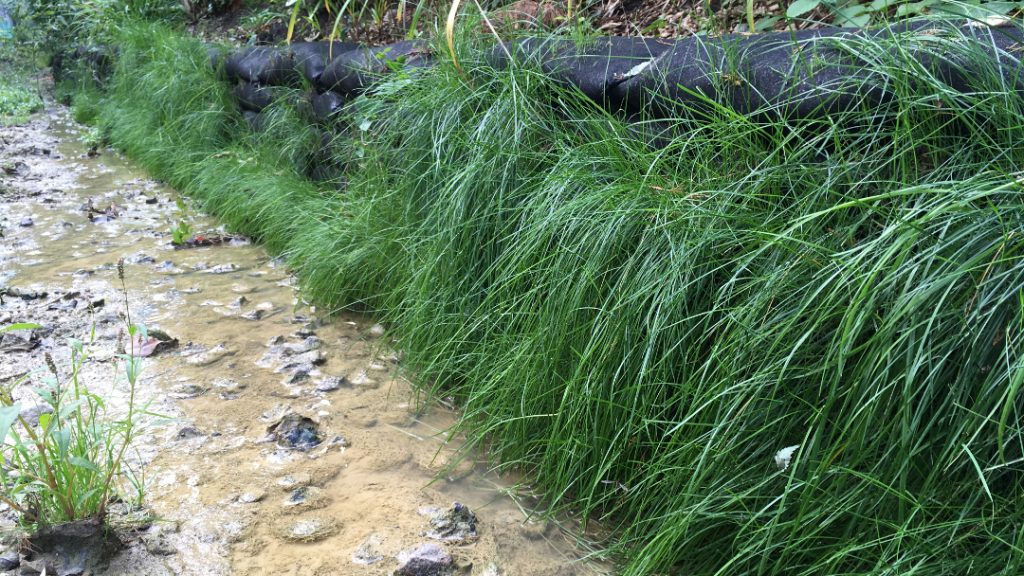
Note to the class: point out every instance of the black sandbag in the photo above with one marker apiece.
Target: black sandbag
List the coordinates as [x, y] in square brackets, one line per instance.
[326, 105]
[802, 74]
[254, 119]
[687, 75]
[942, 51]
[352, 72]
[262, 64]
[595, 68]
[311, 58]
[253, 96]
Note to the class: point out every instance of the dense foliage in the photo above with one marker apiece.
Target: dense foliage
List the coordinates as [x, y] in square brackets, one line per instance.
[642, 315]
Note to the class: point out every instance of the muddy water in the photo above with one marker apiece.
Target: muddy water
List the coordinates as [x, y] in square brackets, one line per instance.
[231, 493]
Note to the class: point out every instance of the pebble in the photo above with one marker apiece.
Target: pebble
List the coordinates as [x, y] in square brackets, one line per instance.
[425, 560]
[252, 497]
[331, 383]
[293, 480]
[309, 529]
[187, 390]
[368, 551]
[210, 356]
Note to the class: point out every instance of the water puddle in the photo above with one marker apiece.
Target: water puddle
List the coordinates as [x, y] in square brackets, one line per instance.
[289, 447]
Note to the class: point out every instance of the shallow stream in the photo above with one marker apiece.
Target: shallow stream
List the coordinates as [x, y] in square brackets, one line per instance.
[233, 490]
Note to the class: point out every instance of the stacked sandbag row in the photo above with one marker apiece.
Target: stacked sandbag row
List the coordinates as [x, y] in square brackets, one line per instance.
[800, 74]
[336, 71]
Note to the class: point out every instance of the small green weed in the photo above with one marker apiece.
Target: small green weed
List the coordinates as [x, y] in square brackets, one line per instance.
[67, 465]
[183, 230]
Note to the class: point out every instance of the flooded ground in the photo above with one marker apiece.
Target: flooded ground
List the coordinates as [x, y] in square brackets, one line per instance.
[289, 445]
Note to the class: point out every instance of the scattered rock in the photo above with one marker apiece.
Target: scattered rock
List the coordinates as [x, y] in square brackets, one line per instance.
[296, 432]
[140, 258]
[458, 524]
[369, 551]
[292, 480]
[188, 431]
[228, 389]
[26, 222]
[425, 560]
[304, 498]
[19, 341]
[221, 269]
[309, 529]
[156, 341]
[31, 414]
[158, 545]
[206, 240]
[331, 383]
[377, 330]
[187, 390]
[9, 559]
[361, 380]
[207, 357]
[252, 497]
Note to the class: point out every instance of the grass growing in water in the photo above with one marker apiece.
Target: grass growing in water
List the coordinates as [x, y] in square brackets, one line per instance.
[643, 328]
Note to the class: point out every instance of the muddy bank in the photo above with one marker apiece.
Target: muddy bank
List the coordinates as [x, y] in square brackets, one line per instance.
[287, 443]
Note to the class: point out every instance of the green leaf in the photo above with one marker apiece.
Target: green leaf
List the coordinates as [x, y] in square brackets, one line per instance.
[8, 414]
[18, 326]
[80, 462]
[801, 7]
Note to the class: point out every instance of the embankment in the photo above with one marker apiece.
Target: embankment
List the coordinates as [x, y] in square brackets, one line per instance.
[640, 296]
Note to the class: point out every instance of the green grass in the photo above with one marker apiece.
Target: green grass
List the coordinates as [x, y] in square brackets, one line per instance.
[641, 329]
[19, 98]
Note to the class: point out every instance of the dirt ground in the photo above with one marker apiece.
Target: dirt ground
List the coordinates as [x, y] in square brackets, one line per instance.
[289, 444]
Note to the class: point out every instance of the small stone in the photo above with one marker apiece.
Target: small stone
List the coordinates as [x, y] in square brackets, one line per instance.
[26, 222]
[425, 560]
[158, 545]
[361, 380]
[331, 383]
[458, 524]
[369, 551]
[221, 269]
[309, 529]
[187, 390]
[293, 480]
[296, 432]
[253, 315]
[9, 559]
[304, 498]
[377, 330]
[32, 413]
[298, 376]
[188, 431]
[225, 385]
[210, 356]
[252, 497]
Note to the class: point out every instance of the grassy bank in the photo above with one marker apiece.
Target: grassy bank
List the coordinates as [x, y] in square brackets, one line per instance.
[641, 328]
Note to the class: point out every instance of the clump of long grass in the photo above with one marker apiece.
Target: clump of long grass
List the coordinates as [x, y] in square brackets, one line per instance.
[642, 329]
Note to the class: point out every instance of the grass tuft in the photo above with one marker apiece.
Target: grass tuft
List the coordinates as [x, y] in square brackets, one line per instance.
[642, 328]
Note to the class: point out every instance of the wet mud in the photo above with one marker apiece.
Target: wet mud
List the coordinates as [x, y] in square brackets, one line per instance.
[284, 442]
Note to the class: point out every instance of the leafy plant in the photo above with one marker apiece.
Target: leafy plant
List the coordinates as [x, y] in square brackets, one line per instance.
[861, 13]
[67, 465]
[182, 232]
